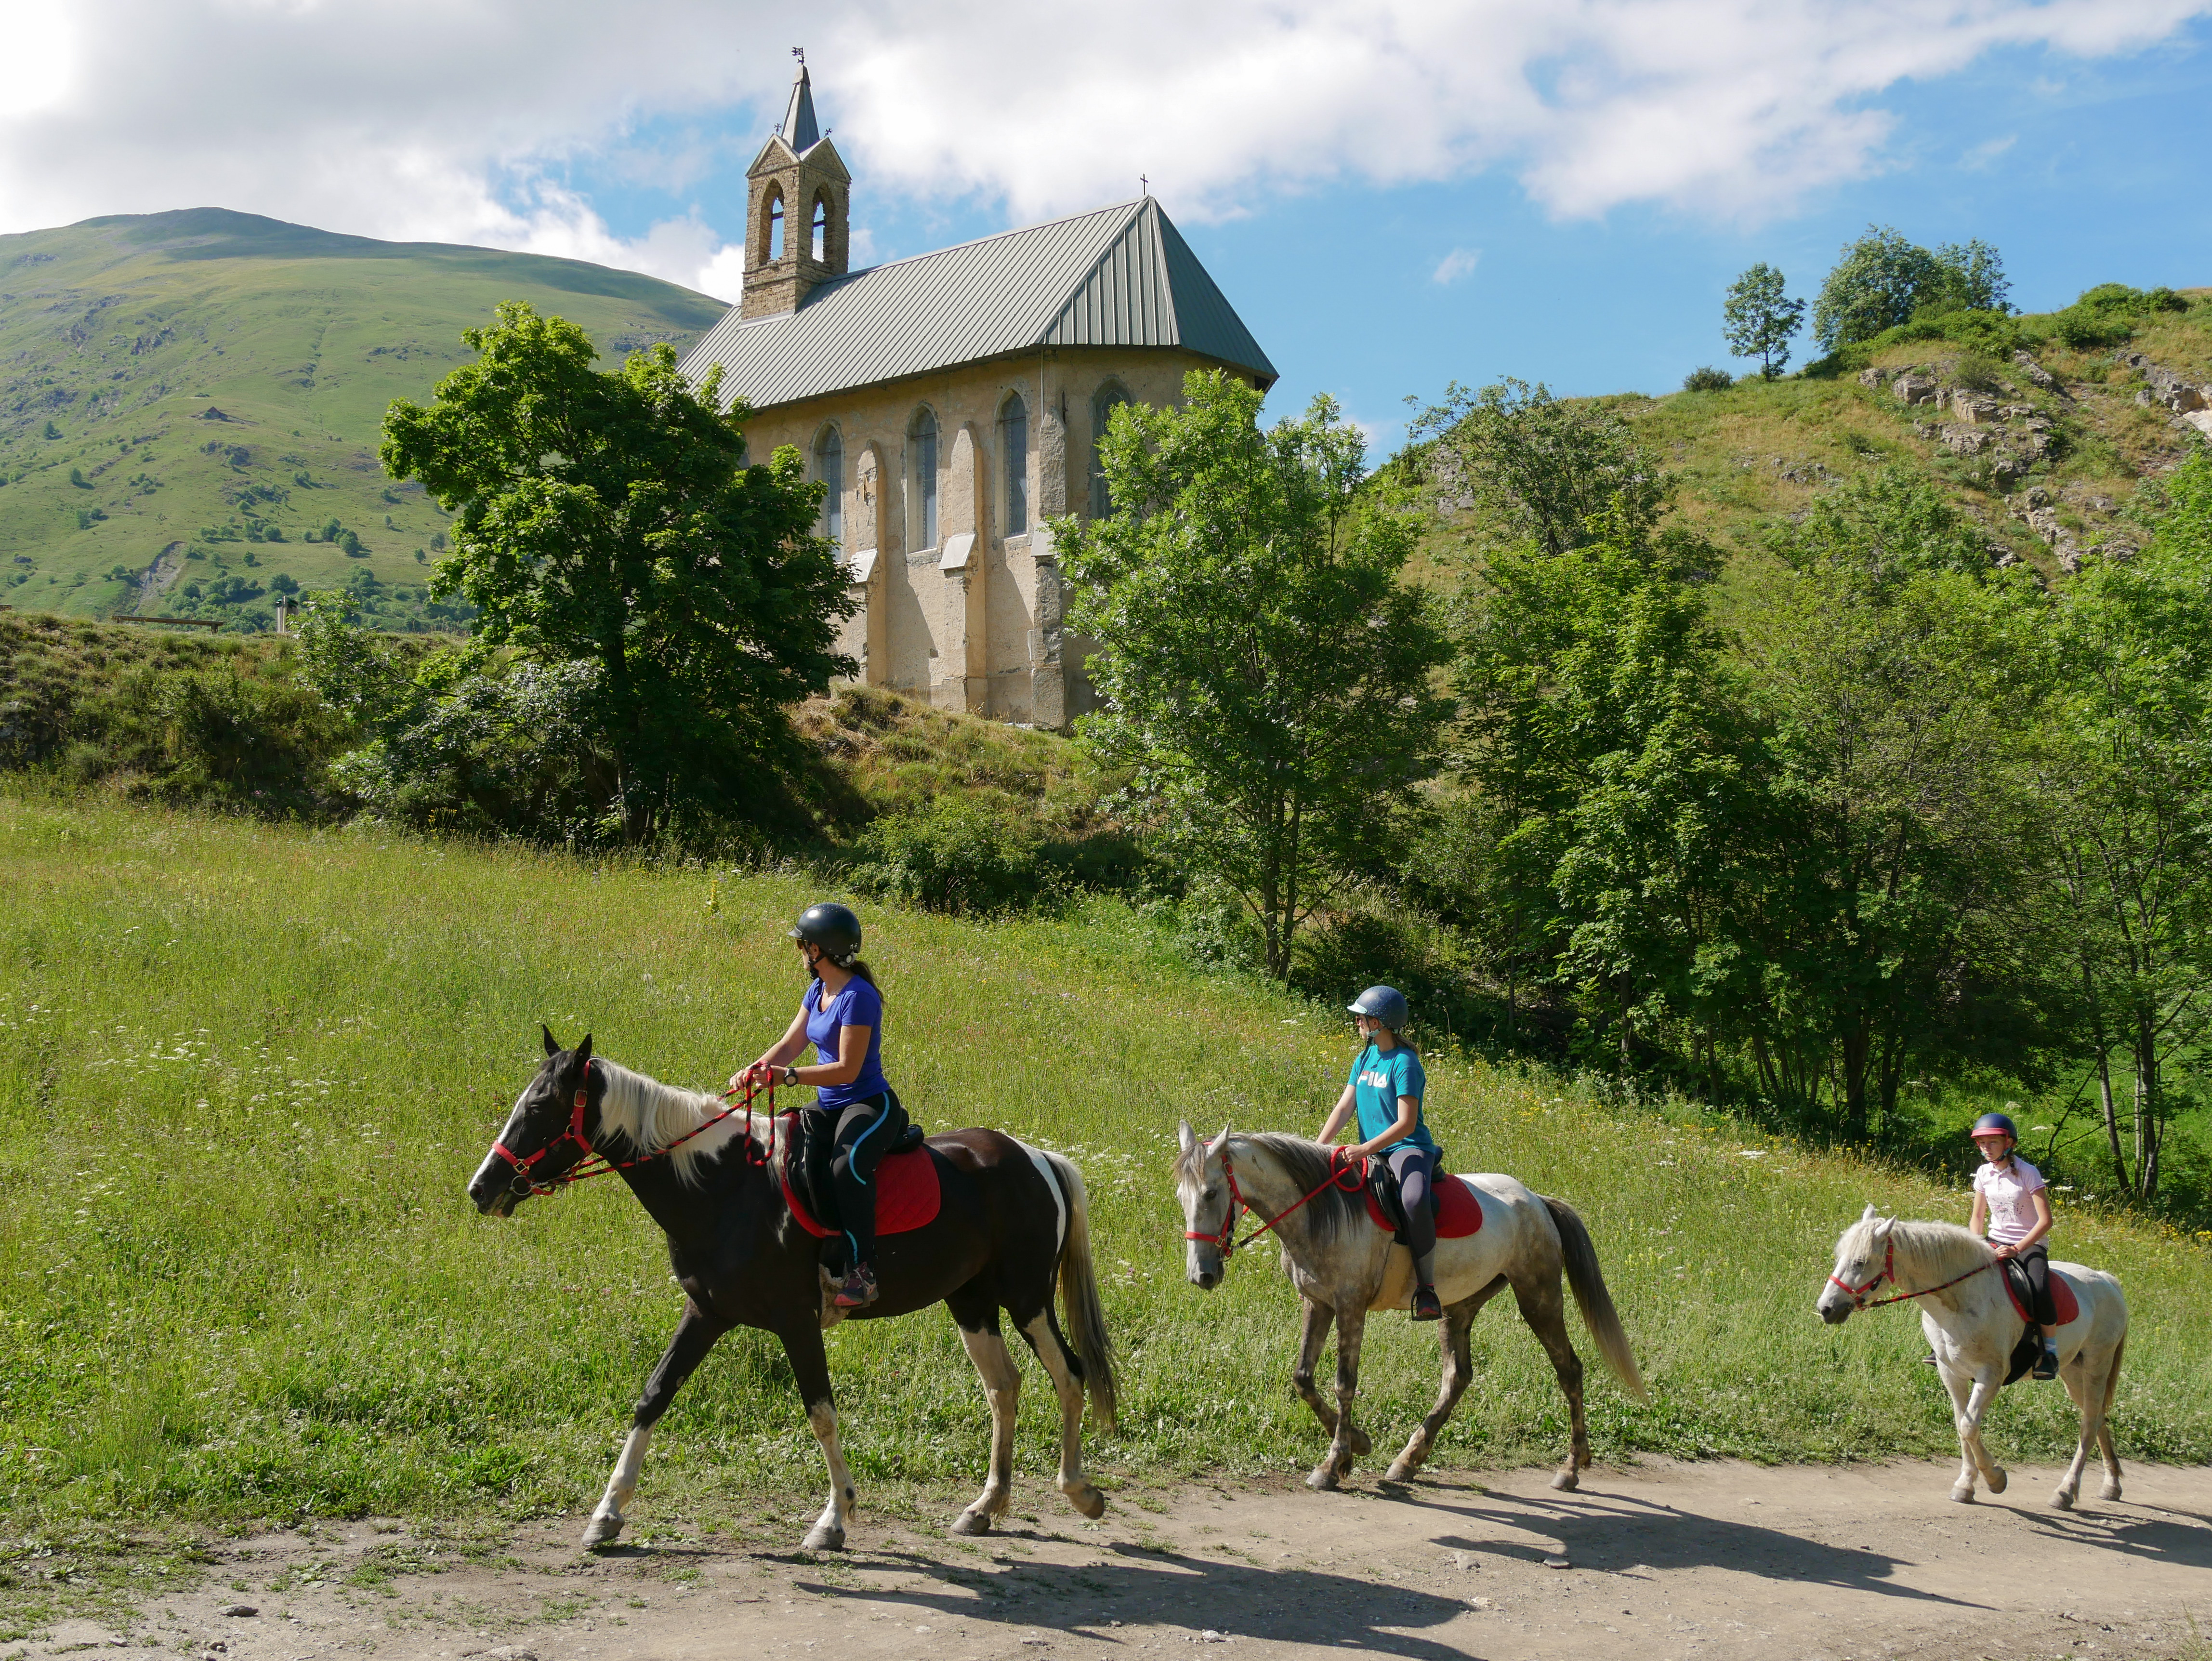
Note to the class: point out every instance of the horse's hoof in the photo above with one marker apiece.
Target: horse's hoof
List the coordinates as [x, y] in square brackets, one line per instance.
[821, 1537]
[1997, 1480]
[1401, 1470]
[2063, 1500]
[1360, 1443]
[2110, 1491]
[1566, 1480]
[1964, 1494]
[1088, 1501]
[969, 1522]
[1324, 1478]
[601, 1530]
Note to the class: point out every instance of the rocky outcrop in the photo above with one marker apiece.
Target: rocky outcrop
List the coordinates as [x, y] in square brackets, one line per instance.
[2176, 392]
[2026, 364]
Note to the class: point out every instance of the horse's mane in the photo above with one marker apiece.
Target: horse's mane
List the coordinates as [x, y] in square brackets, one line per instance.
[650, 1115]
[1934, 1252]
[1329, 1213]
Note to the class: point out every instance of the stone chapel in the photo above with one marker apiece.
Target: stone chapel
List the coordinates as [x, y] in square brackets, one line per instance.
[944, 400]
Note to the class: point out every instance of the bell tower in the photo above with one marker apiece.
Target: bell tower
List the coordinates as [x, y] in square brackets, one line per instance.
[798, 209]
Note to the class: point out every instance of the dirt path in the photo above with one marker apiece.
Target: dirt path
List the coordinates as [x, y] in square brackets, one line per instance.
[1716, 1560]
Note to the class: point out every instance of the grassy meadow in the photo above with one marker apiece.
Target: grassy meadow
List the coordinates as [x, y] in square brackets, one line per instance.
[245, 1072]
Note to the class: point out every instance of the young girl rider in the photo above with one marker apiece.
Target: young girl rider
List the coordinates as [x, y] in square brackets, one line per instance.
[843, 1133]
[1385, 1090]
[2011, 1198]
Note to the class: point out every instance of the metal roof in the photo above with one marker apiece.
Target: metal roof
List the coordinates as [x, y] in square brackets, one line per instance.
[1118, 276]
[800, 129]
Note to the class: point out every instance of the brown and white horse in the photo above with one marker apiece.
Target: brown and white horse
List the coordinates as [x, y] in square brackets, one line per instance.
[1012, 1223]
[1344, 1266]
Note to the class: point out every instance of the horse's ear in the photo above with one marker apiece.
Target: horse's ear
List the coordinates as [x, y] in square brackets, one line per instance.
[1186, 1135]
[1881, 1229]
[1213, 1148]
[584, 1050]
[1868, 1215]
[552, 1043]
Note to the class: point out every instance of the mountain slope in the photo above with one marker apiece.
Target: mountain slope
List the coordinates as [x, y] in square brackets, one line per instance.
[178, 390]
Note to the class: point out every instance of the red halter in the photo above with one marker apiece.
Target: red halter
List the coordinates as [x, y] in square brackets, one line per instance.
[1225, 1237]
[524, 1163]
[1889, 1273]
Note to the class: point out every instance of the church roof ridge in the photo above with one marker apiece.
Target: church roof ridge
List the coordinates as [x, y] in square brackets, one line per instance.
[1115, 276]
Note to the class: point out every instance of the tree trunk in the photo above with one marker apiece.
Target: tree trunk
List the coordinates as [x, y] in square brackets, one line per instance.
[2105, 1084]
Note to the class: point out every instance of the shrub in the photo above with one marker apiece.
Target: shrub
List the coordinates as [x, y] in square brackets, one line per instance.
[1981, 373]
[1707, 380]
[955, 856]
[77, 478]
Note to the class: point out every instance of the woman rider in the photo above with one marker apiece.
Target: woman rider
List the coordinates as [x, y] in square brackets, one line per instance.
[1385, 1090]
[2011, 1198]
[847, 1128]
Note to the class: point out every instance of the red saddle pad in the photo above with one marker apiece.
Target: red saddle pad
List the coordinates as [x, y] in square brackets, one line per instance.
[2061, 1298]
[1459, 1213]
[907, 1196]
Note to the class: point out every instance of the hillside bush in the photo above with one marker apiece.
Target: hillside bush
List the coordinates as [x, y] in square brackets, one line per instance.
[1707, 380]
[1882, 281]
[957, 857]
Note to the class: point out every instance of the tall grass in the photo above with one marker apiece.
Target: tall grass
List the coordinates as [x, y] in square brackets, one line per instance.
[244, 1073]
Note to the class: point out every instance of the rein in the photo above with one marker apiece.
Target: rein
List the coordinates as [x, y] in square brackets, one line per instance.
[1889, 1273]
[1225, 1237]
[524, 1164]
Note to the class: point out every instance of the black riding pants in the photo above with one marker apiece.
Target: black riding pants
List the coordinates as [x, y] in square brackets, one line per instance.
[2035, 1261]
[839, 1148]
[1415, 1168]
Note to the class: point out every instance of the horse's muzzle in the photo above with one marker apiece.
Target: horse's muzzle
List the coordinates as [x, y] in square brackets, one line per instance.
[1834, 1314]
[492, 1189]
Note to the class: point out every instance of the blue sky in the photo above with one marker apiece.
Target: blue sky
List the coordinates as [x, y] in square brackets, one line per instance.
[1394, 193]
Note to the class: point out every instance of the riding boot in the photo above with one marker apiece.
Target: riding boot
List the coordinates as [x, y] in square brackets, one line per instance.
[2046, 1364]
[1426, 1306]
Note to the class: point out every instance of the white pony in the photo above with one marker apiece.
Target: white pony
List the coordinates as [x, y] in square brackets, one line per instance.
[1973, 1328]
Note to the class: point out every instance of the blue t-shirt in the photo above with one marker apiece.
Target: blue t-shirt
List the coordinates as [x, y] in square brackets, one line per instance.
[857, 1004]
[1378, 1079]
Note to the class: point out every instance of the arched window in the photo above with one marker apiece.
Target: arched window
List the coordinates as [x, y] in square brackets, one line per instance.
[829, 468]
[1014, 460]
[921, 473]
[822, 226]
[1102, 406]
[774, 224]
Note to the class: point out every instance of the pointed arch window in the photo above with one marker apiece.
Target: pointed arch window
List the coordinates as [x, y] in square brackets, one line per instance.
[1014, 462]
[829, 468]
[1108, 398]
[921, 479]
[820, 242]
[775, 225]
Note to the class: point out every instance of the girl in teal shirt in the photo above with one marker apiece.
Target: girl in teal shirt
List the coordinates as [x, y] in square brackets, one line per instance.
[1385, 1091]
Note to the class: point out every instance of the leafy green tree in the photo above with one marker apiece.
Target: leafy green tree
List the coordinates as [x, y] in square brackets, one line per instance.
[1892, 672]
[1758, 318]
[1874, 285]
[1604, 737]
[611, 518]
[1265, 672]
[1533, 467]
[1973, 279]
[2127, 767]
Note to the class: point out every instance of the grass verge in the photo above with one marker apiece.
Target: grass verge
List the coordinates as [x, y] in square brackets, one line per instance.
[245, 1071]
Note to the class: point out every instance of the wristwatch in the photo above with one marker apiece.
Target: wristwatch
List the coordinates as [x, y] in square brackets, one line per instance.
[790, 1074]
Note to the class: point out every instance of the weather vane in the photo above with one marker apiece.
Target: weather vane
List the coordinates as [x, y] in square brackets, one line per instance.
[799, 52]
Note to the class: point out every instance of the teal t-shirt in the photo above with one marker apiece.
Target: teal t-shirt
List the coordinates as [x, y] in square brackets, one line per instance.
[1377, 1079]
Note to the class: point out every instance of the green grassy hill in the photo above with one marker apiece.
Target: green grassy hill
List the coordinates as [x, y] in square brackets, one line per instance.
[186, 398]
[245, 1072]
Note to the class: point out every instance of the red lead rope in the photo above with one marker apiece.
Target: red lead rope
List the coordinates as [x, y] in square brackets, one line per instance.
[1889, 1273]
[524, 1164]
[1225, 1237]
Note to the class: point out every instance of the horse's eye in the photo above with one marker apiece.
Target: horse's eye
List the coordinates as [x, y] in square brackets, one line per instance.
[1210, 1192]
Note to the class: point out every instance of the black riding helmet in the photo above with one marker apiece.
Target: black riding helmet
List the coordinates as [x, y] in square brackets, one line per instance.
[834, 928]
[1386, 1004]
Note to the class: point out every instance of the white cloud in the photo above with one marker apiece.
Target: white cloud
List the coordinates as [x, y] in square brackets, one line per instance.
[1982, 155]
[1459, 263]
[447, 119]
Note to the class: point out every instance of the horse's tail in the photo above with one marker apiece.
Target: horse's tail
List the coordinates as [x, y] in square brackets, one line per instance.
[1589, 1283]
[1078, 1298]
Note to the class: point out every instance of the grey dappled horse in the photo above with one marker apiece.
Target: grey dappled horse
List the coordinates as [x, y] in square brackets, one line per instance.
[1344, 1266]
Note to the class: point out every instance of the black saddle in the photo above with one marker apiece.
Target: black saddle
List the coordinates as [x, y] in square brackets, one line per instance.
[2029, 1349]
[1383, 1185]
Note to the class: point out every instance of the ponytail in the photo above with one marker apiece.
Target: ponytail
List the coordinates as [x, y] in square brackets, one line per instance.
[857, 967]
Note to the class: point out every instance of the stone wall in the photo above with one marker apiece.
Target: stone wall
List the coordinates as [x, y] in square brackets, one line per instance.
[972, 619]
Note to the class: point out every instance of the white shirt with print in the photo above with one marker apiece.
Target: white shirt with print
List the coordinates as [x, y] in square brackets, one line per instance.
[2009, 1193]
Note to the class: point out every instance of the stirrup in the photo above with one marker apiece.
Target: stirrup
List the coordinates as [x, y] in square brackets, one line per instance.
[858, 1288]
[2046, 1364]
[1427, 1306]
